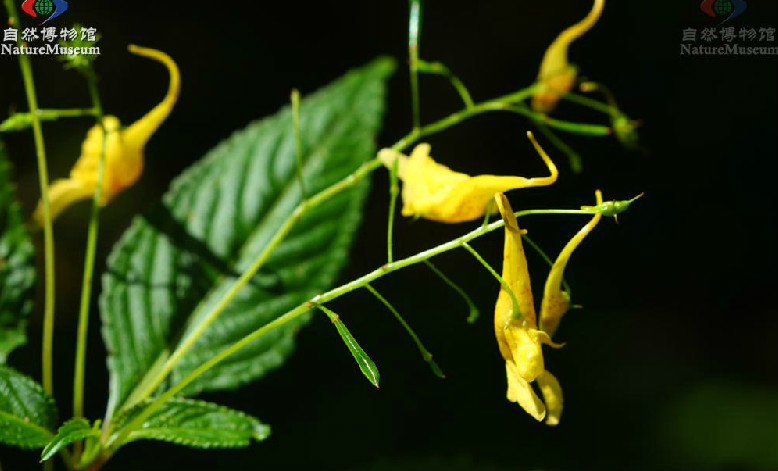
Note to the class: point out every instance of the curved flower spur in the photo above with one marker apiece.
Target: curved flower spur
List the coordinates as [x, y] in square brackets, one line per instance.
[556, 76]
[515, 324]
[434, 191]
[123, 149]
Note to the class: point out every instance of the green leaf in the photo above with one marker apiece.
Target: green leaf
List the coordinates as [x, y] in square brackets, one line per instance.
[173, 265]
[69, 432]
[195, 423]
[27, 413]
[17, 266]
[366, 365]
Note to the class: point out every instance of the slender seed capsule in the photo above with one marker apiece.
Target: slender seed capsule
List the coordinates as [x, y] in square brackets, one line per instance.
[612, 208]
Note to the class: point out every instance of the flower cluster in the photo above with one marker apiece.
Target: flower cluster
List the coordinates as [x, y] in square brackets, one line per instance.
[433, 191]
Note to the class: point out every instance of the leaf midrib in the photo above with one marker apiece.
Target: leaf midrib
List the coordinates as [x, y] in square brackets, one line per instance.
[317, 151]
[26, 423]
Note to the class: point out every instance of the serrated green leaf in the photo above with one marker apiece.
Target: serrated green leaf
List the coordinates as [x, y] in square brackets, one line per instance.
[197, 424]
[27, 413]
[17, 266]
[69, 432]
[172, 265]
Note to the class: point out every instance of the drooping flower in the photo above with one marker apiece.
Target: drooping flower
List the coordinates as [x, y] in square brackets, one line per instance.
[519, 339]
[123, 150]
[557, 76]
[556, 301]
[518, 336]
[434, 191]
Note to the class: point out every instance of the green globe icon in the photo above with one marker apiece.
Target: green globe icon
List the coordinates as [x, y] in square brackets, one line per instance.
[723, 7]
[43, 7]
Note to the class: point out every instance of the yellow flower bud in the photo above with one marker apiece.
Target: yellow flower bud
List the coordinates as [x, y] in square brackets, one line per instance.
[123, 150]
[557, 76]
[434, 191]
[526, 350]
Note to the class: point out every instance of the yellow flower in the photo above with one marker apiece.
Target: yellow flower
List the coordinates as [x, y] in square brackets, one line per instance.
[519, 339]
[557, 76]
[556, 301]
[434, 191]
[123, 150]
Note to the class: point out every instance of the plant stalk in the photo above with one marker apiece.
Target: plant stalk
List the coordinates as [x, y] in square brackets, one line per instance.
[89, 260]
[43, 181]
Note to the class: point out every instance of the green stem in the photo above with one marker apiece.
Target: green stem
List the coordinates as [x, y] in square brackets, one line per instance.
[567, 126]
[394, 190]
[414, 29]
[89, 259]
[51, 115]
[148, 386]
[89, 266]
[21, 121]
[116, 441]
[438, 68]
[528, 212]
[516, 311]
[545, 257]
[461, 89]
[575, 161]
[43, 181]
[504, 103]
[488, 213]
[472, 308]
[425, 354]
[588, 102]
[285, 228]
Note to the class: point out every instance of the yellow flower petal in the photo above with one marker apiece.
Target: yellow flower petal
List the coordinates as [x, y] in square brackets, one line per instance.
[62, 193]
[434, 191]
[123, 150]
[514, 272]
[520, 391]
[557, 76]
[526, 350]
[552, 395]
[556, 301]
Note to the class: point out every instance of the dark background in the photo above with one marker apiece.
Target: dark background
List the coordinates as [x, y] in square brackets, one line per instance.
[672, 363]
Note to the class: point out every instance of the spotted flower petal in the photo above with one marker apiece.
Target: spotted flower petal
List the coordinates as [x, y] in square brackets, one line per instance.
[556, 301]
[519, 340]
